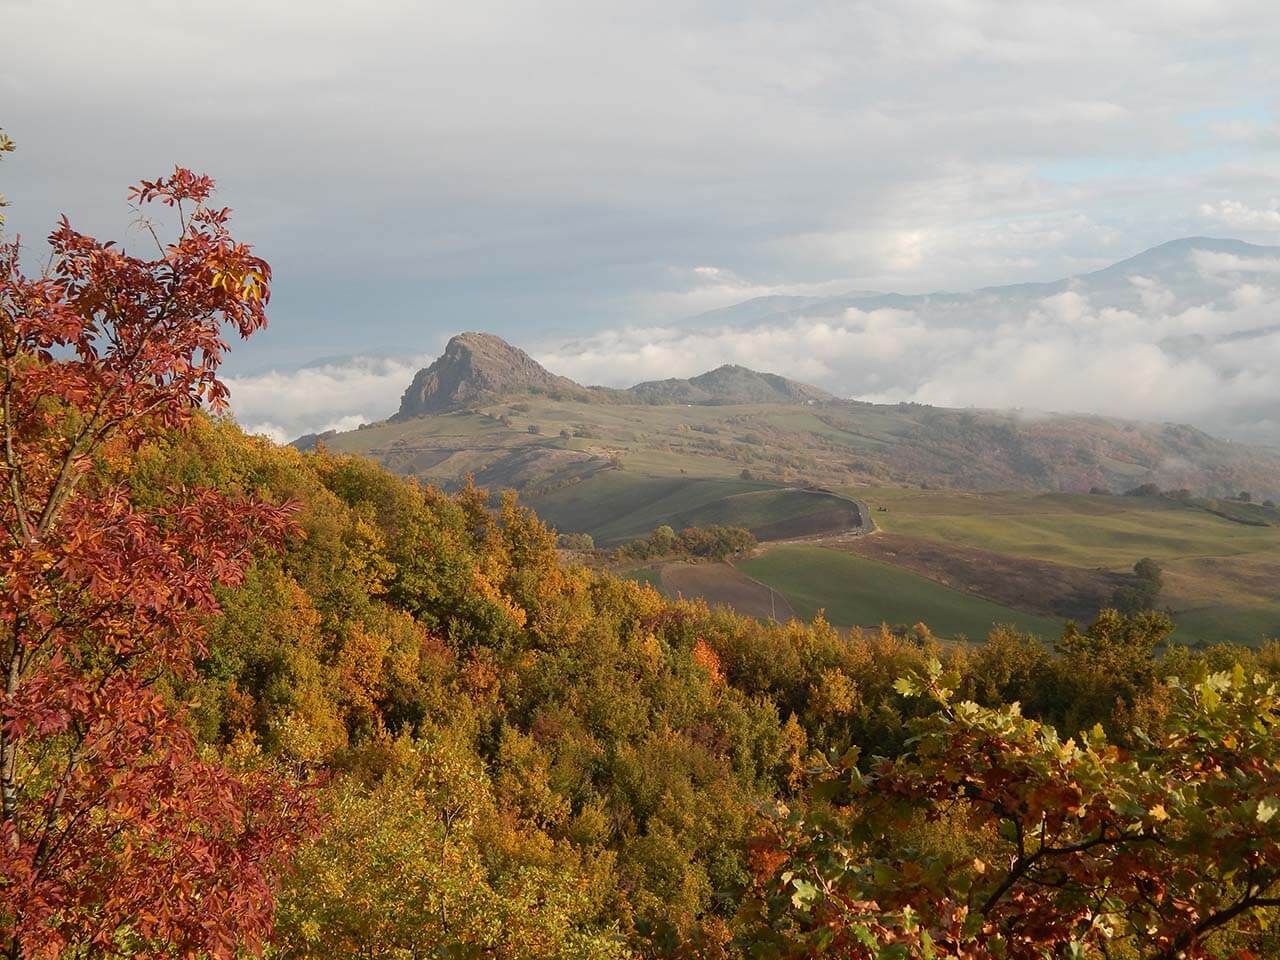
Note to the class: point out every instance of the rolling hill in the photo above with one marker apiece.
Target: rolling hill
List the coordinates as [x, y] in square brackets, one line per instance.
[486, 409]
[986, 514]
[727, 384]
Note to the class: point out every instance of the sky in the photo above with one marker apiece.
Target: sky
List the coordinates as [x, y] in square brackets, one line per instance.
[578, 177]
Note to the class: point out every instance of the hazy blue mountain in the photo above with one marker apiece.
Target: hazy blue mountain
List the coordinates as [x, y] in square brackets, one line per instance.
[763, 308]
[1178, 267]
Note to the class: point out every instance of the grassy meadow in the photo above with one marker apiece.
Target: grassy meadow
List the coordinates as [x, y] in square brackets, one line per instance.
[853, 591]
[1079, 529]
[1222, 578]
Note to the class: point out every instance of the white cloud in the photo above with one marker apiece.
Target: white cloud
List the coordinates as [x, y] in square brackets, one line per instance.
[1155, 297]
[1215, 366]
[687, 292]
[1212, 263]
[272, 431]
[517, 164]
[335, 395]
[1241, 216]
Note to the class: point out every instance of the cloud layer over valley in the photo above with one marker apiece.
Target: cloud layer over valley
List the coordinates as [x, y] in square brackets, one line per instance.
[415, 168]
[337, 394]
[1188, 332]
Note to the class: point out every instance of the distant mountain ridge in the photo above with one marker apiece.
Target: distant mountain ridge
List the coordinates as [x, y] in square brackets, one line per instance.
[1174, 278]
[488, 410]
[1173, 262]
[477, 367]
[730, 383]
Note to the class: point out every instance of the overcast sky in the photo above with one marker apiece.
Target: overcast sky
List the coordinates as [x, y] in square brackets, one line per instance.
[565, 168]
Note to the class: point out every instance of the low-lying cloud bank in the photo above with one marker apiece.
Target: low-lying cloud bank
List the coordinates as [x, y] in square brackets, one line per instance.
[1212, 359]
[1215, 365]
[333, 395]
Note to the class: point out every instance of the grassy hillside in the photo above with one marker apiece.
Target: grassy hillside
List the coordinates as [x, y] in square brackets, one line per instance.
[535, 442]
[1222, 577]
[781, 514]
[999, 522]
[854, 591]
[1083, 530]
[1252, 514]
[617, 506]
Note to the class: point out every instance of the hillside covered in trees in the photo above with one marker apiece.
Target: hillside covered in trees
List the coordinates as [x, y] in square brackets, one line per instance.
[267, 701]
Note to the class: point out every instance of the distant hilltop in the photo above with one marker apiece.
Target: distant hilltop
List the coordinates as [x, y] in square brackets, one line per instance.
[487, 410]
[474, 367]
[728, 384]
[478, 367]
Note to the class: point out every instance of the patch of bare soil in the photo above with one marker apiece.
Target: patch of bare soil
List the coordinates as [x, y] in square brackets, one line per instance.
[719, 583]
[1037, 586]
[1247, 579]
[837, 519]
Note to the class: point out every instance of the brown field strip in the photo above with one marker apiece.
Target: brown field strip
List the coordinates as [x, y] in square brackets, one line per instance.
[719, 583]
[1036, 586]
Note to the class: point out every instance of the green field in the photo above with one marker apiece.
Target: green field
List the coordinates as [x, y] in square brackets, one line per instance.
[1228, 623]
[1079, 529]
[649, 575]
[618, 470]
[853, 591]
[616, 506]
[1222, 578]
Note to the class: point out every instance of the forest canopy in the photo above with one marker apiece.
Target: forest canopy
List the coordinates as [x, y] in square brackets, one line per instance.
[265, 701]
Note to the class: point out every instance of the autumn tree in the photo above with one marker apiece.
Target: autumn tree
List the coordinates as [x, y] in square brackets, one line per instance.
[6, 146]
[993, 837]
[1144, 589]
[422, 863]
[117, 834]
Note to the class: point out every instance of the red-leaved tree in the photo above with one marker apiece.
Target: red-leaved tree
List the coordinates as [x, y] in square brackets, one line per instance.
[117, 834]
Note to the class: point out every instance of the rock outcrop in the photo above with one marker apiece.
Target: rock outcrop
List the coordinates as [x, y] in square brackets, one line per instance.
[473, 368]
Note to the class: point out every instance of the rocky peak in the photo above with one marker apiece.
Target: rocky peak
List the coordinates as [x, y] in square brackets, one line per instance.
[474, 367]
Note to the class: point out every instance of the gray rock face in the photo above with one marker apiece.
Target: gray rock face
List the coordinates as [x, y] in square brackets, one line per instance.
[477, 367]
[473, 367]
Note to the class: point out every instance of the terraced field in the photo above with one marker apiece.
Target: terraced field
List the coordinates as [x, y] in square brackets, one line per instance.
[720, 583]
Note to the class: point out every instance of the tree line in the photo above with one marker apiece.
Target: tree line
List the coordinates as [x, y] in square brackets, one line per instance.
[265, 702]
